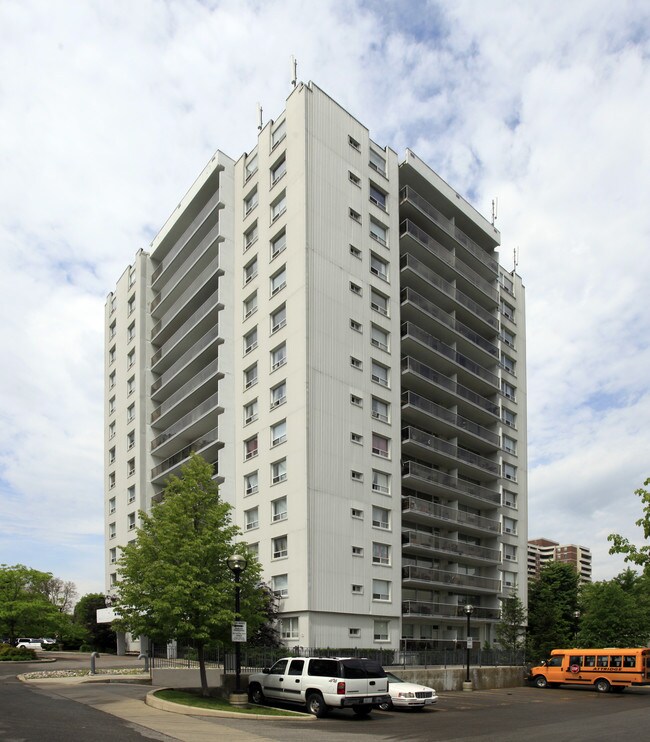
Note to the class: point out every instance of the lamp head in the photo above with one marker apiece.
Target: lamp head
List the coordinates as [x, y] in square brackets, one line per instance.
[237, 563]
[469, 609]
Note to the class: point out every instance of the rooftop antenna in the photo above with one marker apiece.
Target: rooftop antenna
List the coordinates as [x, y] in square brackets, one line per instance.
[294, 71]
[259, 117]
[495, 207]
[515, 258]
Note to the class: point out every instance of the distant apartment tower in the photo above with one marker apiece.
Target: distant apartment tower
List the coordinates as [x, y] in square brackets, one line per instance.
[541, 551]
[330, 327]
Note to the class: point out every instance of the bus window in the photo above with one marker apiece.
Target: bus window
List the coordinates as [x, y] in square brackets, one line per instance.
[555, 661]
[575, 660]
[590, 660]
[603, 660]
[616, 660]
[629, 660]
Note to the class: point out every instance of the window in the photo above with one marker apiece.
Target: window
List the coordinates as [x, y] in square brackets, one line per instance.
[380, 445]
[251, 484]
[251, 166]
[509, 444]
[354, 144]
[254, 548]
[508, 363]
[131, 521]
[250, 376]
[355, 288]
[509, 417]
[380, 373]
[130, 413]
[355, 252]
[356, 326]
[354, 178]
[250, 236]
[280, 549]
[111, 506]
[357, 476]
[279, 471]
[112, 329]
[356, 363]
[131, 305]
[111, 356]
[356, 400]
[380, 517]
[378, 232]
[250, 305]
[380, 590]
[279, 433]
[250, 340]
[280, 585]
[111, 530]
[278, 207]
[250, 412]
[380, 482]
[111, 380]
[509, 525]
[380, 631]
[250, 448]
[278, 280]
[379, 302]
[355, 215]
[279, 133]
[251, 519]
[278, 170]
[357, 589]
[510, 552]
[377, 162]
[508, 390]
[130, 467]
[507, 311]
[279, 509]
[279, 394]
[111, 405]
[130, 386]
[356, 513]
[510, 472]
[278, 244]
[507, 284]
[130, 333]
[251, 201]
[380, 409]
[509, 579]
[509, 499]
[278, 356]
[507, 337]
[130, 494]
[378, 267]
[250, 270]
[113, 304]
[289, 630]
[130, 440]
[380, 553]
[111, 455]
[354, 633]
[279, 318]
[131, 277]
[113, 555]
[111, 480]
[356, 438]
[379, 338]
[378, 197]
[111, 431]
[357, 551]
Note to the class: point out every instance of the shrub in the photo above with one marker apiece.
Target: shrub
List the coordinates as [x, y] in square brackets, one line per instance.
[15, 654]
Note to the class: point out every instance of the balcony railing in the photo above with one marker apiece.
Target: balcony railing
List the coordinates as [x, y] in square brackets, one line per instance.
[412, 504]
[421, 608]
[194, 383]
[427, 574]
[188, 266]
[196, 414]
[435, 477]
[205, 275]
[430, 441]
[199, 346]
[198, 445]
[449, 546]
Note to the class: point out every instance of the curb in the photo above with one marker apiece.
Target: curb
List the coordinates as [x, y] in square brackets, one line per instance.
[178, 708]
[99, 678]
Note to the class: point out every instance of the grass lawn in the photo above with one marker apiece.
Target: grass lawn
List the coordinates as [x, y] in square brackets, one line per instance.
[218, 704]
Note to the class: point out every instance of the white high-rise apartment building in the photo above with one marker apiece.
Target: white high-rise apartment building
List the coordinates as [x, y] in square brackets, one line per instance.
[330, 327]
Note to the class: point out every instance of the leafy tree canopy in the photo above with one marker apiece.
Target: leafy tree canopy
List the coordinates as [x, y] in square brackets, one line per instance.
[510, 630]
[99, 635]
[620, 545]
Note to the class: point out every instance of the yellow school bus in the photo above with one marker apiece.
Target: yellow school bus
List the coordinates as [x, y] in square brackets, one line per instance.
[606, 669]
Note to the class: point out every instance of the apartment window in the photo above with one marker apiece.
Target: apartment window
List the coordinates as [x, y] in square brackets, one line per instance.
[380, 374]
[509, 525]
[380, 445]
[251, 483]
[111, 480]
[111, 506]
[380, 590]
[354, 633]
[111, 405]
[507, 311]
[278, 280]
[354, 144]
[356, 326]
[355, 288]
[113, 555]
[507, 337]
[356, 400]
[279, 133]
[130, 467]
[130, 494]
[251, 201]
[378, 267]
[130, 440]
[111, 380]
[509, 417]
[279, 206]
[357, 589]
[250, 376]
[251, 519]
[250, 270]
[380, 631]
[280, 549]
[508, 390]
[357, 551]
[254, 548]
[279, 433]
[354, 178]
[279, 394]
[357, 476]
[356, 513]
[380, 553]
[130, 386]
[509, 499]
[130, 413]
[379, 338]
[130, 333]
[251, 166]
[279, 509]
[250, 305]
[280, 585]
[507, 284]
[250, 236]
[510, 472]
[112, 329]
[380, 482]
[279, 318]
[379, 302]
[356, 438]
[510, 552]
[111, 356]
[250, 340]
[279, 471]
[278, 171]
[131, 277]
[250, 448]
[250, 412]
[355, 215]
[378, 232]
[113, 304]
[509, 579]
[356, 363]
[278, 244]
[377, 162]
[131, 521]
[509, 444]
[278, 356]
[111, 455]
[111, 530]
[380, 517]
[289, 629]
[355, 252]
[131, 305]
[380, 409]
[508, 363]
[111, 431]
[377, 196]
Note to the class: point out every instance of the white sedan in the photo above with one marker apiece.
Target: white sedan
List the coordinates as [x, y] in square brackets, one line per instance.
[408, 695]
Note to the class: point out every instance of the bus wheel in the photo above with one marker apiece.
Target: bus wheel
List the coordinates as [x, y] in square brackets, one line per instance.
[540, 681]
[602, 685]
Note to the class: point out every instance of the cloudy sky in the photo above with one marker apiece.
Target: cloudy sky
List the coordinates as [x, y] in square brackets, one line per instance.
[109, 110]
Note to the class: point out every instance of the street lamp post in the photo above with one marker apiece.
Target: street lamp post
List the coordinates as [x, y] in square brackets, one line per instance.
[576, 624]
[237, 564]
[469, 609]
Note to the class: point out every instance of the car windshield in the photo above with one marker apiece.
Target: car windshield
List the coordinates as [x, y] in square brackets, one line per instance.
[393, 678]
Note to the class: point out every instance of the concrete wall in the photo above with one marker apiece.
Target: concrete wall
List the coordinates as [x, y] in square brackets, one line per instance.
[452, 678]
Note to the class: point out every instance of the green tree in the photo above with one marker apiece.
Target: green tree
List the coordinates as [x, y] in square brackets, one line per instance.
[100, 635]
[510, 631]
[620, 545]
[612, 616]
[552, 604]
[174, 581]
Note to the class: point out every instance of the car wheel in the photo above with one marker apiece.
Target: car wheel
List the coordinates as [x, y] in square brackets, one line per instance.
[541, 682]
[316, 705]
[386, 706]
[602, 685]
[255, 694]
[362, 710]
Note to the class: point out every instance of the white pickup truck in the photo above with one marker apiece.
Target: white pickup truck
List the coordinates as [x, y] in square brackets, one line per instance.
[322, 683]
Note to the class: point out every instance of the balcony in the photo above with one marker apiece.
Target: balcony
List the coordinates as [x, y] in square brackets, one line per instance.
[187, 362]
[182, 398]
[430, 442]
[189, 425]
[416, 608]
[438, 482]
[427, 543]
[200, 445]
[429, 576]
[424, 511]
[205, 260]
